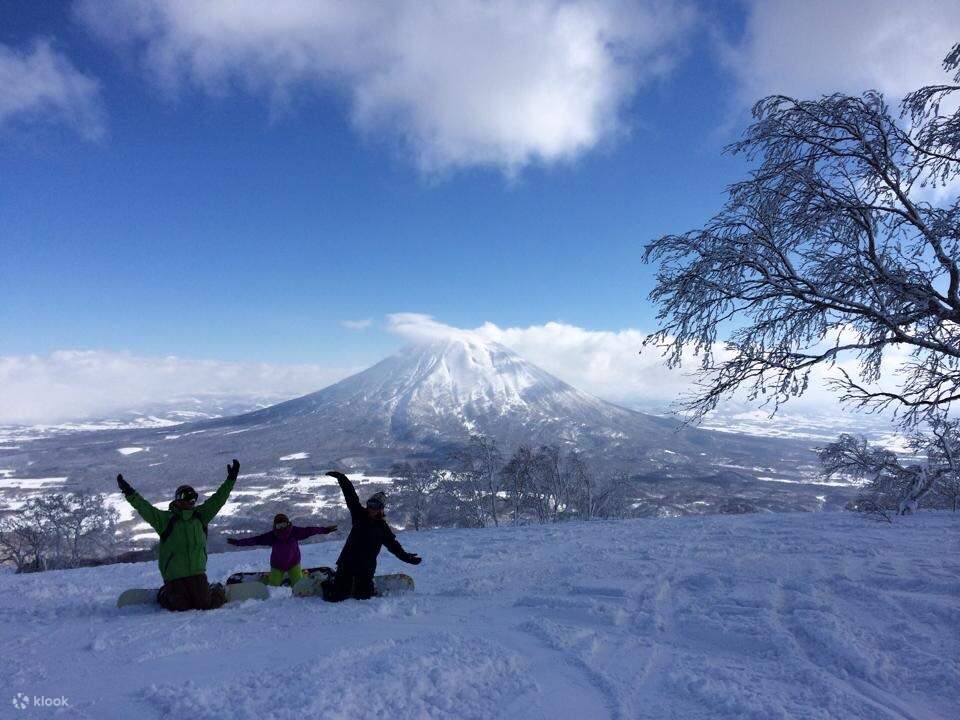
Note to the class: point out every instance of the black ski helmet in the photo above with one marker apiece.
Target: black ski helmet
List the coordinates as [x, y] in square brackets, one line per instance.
[186, 493]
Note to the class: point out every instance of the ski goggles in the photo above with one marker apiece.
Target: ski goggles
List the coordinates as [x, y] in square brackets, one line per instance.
[185, 493]
[281, 525]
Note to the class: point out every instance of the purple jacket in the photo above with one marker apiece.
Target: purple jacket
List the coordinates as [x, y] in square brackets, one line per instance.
[285, 544]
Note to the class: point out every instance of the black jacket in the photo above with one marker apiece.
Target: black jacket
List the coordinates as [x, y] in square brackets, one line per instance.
[367, 536]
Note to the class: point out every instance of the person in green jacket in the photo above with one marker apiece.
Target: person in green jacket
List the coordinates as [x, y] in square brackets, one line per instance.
[183, 543]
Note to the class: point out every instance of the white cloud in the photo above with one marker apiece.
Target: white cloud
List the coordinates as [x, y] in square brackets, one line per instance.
[357, 324]
[608, 364]
[614, 365]
[77, 385]
[499, 83]
[419, 327]
[806, 49]
[73, 385]
[40, 84]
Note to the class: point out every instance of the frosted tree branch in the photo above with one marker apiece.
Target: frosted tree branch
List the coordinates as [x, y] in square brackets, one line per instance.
[825, 253]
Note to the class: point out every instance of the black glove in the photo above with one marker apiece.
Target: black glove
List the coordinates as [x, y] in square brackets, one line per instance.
[337, 474]
[232, 541]
[124, 486]
[233, 469]
[330, 529]
[413, 559]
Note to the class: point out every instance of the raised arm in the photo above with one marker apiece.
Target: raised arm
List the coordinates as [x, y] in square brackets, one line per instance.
[302, 533]
[211, 506]
[154, 517]
[349, 492]
[262, 539]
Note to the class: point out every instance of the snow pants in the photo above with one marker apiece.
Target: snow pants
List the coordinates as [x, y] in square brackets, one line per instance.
[348, 584]
[275, 578]
[191, 593]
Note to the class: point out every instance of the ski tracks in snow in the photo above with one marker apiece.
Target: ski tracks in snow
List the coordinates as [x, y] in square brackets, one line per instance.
[807, 617]
[618, 630]
[706, 619]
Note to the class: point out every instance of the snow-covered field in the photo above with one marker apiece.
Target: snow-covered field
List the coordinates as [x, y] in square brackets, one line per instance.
[765, 616]
[819, 428]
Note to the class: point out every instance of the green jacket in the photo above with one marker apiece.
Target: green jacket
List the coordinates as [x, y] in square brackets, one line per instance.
[184, 551]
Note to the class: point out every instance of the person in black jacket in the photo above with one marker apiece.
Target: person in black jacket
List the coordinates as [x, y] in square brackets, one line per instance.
[357, 563]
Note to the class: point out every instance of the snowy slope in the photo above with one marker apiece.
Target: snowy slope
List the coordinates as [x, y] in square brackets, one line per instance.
[787, 616]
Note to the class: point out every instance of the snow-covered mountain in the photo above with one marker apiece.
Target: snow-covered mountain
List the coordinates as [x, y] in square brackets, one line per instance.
[420, 402]
[432, 395]
[812, 615]
[173, 411]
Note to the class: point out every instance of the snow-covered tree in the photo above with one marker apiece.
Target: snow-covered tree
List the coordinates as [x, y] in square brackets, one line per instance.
[56, 531]
[827, 251]
[853, 457]
[842, 244]
[476, 480]
[417, 485]
[894, 485]
[556, 475]
[942, 447]
[518, 479]
[605, 497]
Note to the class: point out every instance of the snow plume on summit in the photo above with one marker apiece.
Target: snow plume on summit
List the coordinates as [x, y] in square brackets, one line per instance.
[462, 371]
[605, 363]
[460, 382]
[422, 328]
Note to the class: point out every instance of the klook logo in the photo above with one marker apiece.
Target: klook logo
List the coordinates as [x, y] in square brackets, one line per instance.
[21, 701]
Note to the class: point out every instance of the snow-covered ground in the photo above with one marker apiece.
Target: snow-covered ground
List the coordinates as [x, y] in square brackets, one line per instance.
[819, 428]
[764, 616]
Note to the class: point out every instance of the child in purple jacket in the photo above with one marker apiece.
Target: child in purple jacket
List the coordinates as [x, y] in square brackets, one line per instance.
[284, 539]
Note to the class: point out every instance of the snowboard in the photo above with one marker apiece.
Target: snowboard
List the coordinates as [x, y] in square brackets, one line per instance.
[236, 592]
[241, 577]
[384, 585]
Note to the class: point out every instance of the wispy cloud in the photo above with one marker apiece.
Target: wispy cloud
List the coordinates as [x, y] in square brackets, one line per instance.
[614, 365]
[809, 48]
[605, 363]
[420, 327]
[357, 324]
[74, 385]
[501, 83]
[39, 84]
[77, 385]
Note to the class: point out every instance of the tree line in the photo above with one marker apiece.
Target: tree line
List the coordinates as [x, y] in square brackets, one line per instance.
[474, 486]
[477, 486]
[62, 530]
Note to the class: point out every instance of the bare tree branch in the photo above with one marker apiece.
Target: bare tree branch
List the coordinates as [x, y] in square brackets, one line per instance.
[825, 253]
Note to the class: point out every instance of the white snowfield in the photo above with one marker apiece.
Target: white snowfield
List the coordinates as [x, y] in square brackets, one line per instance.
[295, 456]
[765, 616]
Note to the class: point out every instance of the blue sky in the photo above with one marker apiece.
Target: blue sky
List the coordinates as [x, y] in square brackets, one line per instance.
[180, 182]
[270, 231]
